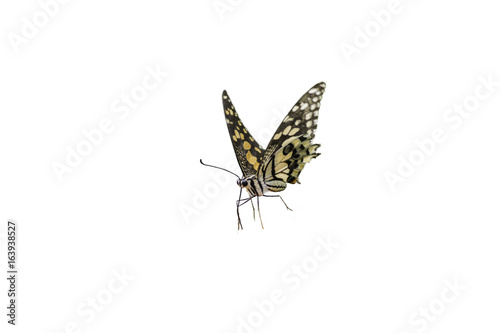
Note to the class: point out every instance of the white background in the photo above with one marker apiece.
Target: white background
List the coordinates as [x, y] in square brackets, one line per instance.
[134, 202]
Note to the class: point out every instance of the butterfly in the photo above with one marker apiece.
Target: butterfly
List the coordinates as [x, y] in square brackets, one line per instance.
[290, 148]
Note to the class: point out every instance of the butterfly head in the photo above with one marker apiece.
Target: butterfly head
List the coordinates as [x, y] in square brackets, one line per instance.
[243, 183]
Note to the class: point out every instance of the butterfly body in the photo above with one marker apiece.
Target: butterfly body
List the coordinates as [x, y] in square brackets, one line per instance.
[290, 148]
[253, 186]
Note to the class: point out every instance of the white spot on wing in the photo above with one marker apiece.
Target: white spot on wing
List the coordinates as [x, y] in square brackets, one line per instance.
[287, 129]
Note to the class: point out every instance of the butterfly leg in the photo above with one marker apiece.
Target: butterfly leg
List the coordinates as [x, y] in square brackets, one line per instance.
[253, 209]
[239, 219]
[241, 202]
[238, 212]
[281, 200]
[258, 208]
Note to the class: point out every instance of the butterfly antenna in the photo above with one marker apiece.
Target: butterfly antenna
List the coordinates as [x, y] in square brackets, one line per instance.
[213, 166]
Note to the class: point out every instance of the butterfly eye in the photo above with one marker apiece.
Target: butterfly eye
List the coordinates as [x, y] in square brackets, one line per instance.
[244, 183]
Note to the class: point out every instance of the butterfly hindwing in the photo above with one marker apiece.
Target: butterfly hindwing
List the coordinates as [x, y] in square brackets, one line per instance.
[248, 151]
[291, 147]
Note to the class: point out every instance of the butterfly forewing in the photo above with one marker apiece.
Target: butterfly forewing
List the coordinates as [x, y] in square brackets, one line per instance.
[291, 147]
[302, 119]
[248, 151]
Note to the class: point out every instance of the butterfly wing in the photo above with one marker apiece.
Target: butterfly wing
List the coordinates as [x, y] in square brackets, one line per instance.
[248, 151]
[291, 148]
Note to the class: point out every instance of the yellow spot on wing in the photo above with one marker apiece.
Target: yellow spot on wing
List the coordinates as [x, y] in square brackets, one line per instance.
[250, 158]
[258, 150]
[277, 136]
[234, 138]
[247, 145]
[256, 165]
[295, 130]
[237, 134]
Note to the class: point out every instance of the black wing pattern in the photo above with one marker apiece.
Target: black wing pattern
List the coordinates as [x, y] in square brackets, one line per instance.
[291, 148]
[248, 151]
